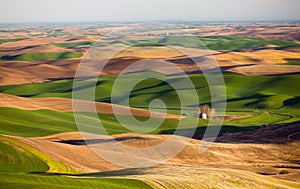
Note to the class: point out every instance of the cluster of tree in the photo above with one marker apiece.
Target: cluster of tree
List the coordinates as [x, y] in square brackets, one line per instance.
[203, 109]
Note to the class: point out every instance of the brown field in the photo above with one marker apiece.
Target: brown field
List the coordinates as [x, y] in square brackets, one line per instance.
[38, 48]
[265, 69]
[65, 105]
[194, 177]
[266, 151]
[32, 42]
[256, 57]
[237, 161]
[35, 41]
[261, 63]
[19, 72]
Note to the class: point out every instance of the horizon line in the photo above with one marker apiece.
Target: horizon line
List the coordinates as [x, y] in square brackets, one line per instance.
[145, 21]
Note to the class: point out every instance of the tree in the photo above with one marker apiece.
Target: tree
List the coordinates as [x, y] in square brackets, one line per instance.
[205, 109]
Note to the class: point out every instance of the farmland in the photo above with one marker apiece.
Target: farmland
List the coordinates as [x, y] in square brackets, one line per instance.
[34, 161]
[31, 57]
[279, 96]
[42, 133]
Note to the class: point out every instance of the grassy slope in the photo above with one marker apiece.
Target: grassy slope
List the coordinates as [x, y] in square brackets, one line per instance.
[212, 42]
[30, 123]
[292, 63]
[11, 40]
[274, 99]
[279, 94]
[238, 42]
[9, 180]
[38, 56]
[18, 160]
[14, 159]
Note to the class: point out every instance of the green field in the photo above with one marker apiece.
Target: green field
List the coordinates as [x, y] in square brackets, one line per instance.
[11, 40]
[272, 99]
[38, 56]
[273, 93]
[73, 44]
[239, 42]
[224, 42]
[17, 180]
[211, 42]
[32, 123]
[292, 63]
[13, 159]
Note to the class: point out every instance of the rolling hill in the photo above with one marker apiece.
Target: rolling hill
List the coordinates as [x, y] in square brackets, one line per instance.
[264, 94]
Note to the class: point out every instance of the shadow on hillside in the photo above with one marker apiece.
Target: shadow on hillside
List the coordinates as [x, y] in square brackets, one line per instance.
[99, 141]
[200, 131]
[121, 172]
[273, 134]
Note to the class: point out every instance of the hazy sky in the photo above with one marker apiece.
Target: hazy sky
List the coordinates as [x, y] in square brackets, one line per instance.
[147, 10]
